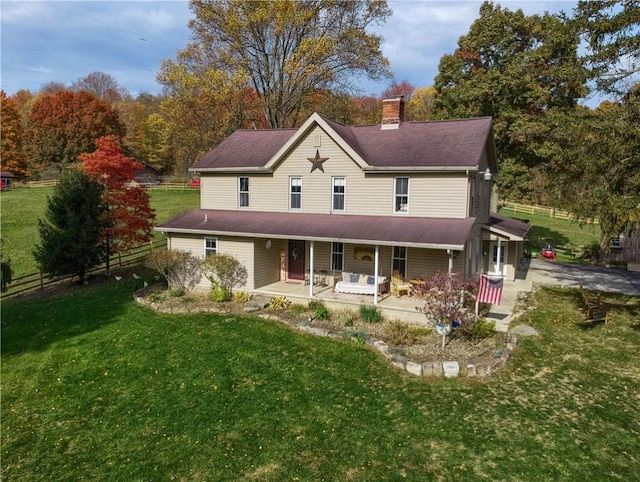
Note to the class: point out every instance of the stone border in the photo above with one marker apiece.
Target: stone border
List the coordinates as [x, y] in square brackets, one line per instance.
[448, 369]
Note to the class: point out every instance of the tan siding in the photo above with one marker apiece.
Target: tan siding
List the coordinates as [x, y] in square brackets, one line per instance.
[426, 262]
[242, 250]
[219, 191]
[267, 261]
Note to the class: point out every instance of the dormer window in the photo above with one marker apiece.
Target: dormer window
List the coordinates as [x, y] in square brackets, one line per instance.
[401, 202]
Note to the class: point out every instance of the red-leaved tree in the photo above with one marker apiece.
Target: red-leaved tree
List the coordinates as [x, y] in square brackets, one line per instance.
[130, 217]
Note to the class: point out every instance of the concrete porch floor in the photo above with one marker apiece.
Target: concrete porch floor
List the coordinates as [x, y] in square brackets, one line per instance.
[392, 307]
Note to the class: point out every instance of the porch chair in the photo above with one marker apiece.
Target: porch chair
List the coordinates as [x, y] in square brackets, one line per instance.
[398, 285]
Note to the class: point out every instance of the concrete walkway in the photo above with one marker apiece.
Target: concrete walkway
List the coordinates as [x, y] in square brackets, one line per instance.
[547, 273]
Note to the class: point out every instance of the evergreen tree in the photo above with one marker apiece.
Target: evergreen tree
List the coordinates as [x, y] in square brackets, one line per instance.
[71, 232]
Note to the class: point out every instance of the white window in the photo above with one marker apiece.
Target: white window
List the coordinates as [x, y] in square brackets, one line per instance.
[339, 184]
[295, 193]
[402, 195]
[399, 262]
[243, 192]
[210, 246]
[337, 256]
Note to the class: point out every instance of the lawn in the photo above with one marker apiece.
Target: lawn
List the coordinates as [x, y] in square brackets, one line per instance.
[96, 387]
[568, 236]
[21, 208]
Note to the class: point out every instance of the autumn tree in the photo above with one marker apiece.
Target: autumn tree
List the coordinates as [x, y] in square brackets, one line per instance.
[420, 105]
[129, 217]
[285, 49]
[71, 231]
[517, 69]
[11, 151]
[64, 125]
[101, 85]
[596, 175]
[610, 28]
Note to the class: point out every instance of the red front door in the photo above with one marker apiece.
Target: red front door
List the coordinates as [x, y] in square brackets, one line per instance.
[296, 259]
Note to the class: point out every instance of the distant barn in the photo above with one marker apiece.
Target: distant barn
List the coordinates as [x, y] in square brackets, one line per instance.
[147, 175]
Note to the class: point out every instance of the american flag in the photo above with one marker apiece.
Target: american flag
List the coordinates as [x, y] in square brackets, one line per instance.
[490, 290]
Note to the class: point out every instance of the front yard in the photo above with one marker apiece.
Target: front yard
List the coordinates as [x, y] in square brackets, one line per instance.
[97, 387]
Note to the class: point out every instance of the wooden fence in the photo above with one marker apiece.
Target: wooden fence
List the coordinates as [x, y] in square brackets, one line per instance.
[533, 209]
[166, 186]
[35, 281]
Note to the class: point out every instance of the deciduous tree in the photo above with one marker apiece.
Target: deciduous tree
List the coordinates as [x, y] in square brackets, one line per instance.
[12, 154]
[129, 217]
[64, 125]
[71, 231]
[517, 69]
[287, 49]
[611, 29]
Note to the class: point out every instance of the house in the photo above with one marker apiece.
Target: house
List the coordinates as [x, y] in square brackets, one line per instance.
[328, 198]
[147, 174]
[6, 180]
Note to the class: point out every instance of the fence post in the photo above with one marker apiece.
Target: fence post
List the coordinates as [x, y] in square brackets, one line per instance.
[41, 279]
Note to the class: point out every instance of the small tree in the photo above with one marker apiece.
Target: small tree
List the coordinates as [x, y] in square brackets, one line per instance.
[181, 269]
[70, 234]
[448, 299]
[225, 272]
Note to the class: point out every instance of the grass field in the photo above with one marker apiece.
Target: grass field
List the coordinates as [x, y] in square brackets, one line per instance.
[566, 235]
[21, 208]
[97, 387]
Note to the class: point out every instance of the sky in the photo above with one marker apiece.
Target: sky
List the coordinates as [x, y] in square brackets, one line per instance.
[64, 41]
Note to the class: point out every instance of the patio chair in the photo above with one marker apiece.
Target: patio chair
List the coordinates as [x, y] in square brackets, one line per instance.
[398, 285]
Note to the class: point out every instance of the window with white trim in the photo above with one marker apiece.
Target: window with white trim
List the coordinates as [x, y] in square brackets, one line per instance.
[399, 261]
[295, 193]
[338, 201]
[401, 202]
[243, 192]
[337, 256]
[210, 246]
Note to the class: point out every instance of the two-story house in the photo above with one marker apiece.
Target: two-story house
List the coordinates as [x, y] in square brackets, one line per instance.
[411, 197]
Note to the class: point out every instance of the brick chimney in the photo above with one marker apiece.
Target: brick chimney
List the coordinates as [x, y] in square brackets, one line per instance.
[392, 112]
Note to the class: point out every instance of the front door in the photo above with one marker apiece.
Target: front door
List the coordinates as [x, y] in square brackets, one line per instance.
[498, 264]
[296, 259]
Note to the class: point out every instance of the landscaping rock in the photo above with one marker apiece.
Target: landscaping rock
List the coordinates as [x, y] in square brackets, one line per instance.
[524, 330]
[451, 369]
[414, 368]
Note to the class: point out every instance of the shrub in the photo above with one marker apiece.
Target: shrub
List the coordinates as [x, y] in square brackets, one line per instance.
[279, 303]
[321, 312]
[481, 329]
[369, 314]
[181, 269]
[298, 309]
[219, 294]
[224, 270]
[400, 333]
[242, 297]
[176, 293]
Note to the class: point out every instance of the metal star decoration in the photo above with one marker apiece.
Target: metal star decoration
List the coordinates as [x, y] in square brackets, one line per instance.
[316, 162]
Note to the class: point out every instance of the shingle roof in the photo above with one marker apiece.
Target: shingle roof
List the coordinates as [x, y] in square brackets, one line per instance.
[441, 233]
[435, 144]
[513, 227]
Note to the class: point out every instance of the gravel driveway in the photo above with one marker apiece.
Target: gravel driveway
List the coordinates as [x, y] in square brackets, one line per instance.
[596, 278]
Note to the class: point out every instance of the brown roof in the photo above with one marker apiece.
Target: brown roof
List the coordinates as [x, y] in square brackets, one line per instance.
[510, 226]
[441, 233]
[435, 144]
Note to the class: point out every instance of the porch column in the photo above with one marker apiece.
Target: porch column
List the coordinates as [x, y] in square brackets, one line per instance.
[450, 253]
[375, 274]
[311, 269]
[499, 255]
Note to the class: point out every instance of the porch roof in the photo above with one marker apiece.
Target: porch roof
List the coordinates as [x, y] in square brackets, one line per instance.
[513, 229]
[435, 233]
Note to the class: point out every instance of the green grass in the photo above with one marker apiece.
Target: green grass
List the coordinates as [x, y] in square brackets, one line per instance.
[21, 208]
[96, 387]
[566, 235]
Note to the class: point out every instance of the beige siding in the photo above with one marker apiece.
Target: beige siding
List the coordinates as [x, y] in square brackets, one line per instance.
[433, 195]
[267, 261]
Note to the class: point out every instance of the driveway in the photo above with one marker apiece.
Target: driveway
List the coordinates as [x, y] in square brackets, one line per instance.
[614, 280]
